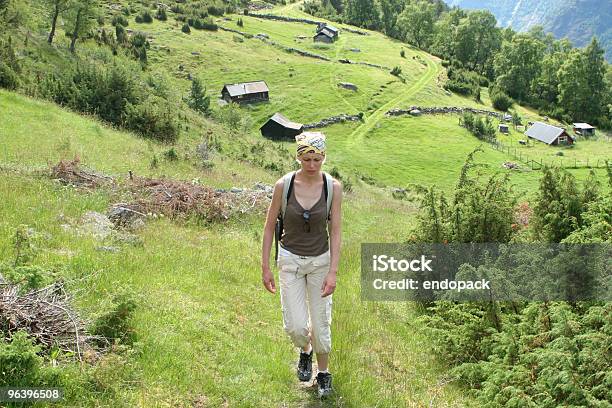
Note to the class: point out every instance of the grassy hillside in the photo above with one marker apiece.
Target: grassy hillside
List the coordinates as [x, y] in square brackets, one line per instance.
[193, 343]
[207, 332]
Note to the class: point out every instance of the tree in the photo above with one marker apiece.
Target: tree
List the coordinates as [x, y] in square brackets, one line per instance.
[416, 23]
[198, 100]
[364, 13]
[58, 7]
[582, 88]
[518, 64]
[390, 10]
[81, 19]
[477, 39]
[445, 31]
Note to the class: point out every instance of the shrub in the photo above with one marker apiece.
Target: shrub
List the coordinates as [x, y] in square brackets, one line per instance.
[161, 14]
[138, 19]
[186, 28]
[397, 71]
[27, 277]
[198, 100]
[461, 88]
[19, 360]
[120, 34]
[500, 99]
[240, 23]
[8, 78]
[403, 53]
[119, 20]
[171, 155]
[146, 17]
[153, 119]
[215, 11]
[116, 322]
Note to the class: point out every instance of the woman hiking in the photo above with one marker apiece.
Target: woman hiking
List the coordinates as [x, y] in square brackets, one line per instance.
[307, 205]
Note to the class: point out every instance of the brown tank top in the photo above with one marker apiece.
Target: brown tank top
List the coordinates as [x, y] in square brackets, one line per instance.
[295, 237]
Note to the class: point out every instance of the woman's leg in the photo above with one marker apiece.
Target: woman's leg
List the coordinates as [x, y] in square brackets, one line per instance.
[293, 302]
[320, 311]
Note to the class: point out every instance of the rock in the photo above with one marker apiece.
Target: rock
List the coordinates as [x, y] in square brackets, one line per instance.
[344, 61]
[263, 187]
[195, 53]
[355, 49]
[262, 35]
[181, 67]
[95, 224]
[112, 249]
[122, 216]
[236, 190]
[220, 190]
[415, 112]
[348, 85]
[510, 166]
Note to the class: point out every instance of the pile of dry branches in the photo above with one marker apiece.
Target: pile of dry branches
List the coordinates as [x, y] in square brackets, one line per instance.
[45, 314]
[177, 199]
[70, 172]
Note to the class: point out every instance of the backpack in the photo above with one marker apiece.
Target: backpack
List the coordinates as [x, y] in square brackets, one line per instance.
[288, 179]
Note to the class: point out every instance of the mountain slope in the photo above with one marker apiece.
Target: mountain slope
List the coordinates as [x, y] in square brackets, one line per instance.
[578, 20]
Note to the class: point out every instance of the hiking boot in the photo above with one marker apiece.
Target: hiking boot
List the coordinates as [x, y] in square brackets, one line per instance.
[304, 370]
[324, 380]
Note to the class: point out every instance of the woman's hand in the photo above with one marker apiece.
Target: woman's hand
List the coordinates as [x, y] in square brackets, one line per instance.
[329, 284]
[268, 279]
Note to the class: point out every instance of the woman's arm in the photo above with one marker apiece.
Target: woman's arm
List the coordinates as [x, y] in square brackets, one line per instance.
[335, 238]
[268, 236]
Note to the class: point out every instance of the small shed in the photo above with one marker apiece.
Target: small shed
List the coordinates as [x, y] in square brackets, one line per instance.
[503, 128]
[279, 127]
[245, 92]
[330, 28]
[549, 134]
[584, 129]
[324, 36]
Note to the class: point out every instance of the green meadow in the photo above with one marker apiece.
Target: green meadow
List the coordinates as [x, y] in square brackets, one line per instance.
[208, 334]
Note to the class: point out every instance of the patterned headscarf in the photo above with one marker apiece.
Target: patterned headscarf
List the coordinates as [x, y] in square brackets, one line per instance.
[310, 142]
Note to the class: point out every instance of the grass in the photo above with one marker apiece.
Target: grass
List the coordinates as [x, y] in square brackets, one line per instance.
[207, 331]
[234, 351]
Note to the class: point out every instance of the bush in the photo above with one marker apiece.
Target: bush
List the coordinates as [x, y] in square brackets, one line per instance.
[215, 11]
[146, 17]
[19, 360]
[8, 78]
[138, 19]
[403, 54]
[198, 100]
[397, 71]
[500, 100]
[461, 88]
[153, 119]
[161, 14]
[116, 322]
[171, 154]
[240, 23]
[120, 34]
[186, 28]
[119, 20]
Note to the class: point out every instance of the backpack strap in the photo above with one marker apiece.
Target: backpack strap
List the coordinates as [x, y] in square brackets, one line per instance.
[328, 185]
[288, 180]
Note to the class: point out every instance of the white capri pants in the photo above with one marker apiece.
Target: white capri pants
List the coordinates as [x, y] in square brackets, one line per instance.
[305, 312]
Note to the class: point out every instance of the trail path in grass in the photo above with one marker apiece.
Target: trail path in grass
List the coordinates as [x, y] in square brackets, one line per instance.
[370, 121]
[332, 74]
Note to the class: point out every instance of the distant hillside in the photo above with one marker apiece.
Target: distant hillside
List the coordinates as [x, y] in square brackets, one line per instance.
[578, 20]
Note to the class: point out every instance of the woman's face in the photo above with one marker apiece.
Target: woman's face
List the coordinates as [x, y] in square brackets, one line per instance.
[311, 162]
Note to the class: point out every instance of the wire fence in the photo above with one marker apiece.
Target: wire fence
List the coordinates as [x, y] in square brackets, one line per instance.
[538, 163]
